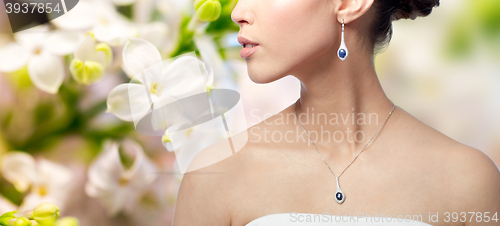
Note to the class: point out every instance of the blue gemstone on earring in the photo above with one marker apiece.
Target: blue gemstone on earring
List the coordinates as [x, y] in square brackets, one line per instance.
[338, 196]
[342, 53]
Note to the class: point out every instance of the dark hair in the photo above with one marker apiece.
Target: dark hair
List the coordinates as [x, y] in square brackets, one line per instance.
[387, 11]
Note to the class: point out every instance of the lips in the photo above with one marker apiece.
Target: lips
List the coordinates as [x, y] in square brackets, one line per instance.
[242, 40]
[246, 52]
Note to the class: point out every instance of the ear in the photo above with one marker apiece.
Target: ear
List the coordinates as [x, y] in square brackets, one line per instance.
[350, 10]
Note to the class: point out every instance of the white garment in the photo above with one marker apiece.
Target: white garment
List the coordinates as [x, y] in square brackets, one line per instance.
[309, 219]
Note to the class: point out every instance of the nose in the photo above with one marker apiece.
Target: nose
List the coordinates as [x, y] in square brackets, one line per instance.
[242, 14]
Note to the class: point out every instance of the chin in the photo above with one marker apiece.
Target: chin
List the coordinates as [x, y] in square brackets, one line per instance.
[263, 76]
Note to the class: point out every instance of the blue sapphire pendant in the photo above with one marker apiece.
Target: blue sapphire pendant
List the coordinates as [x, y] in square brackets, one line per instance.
[342, 53]
[339, 195]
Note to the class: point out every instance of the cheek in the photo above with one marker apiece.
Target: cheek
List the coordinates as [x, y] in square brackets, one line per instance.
[296, 30]
[291, 32]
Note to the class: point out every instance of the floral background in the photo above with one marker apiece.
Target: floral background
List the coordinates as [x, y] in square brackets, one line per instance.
[66, 138]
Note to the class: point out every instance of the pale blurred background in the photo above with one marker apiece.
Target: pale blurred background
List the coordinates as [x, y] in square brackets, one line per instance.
[444, 69]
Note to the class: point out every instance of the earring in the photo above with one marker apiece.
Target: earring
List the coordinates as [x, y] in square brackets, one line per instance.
[343, 53]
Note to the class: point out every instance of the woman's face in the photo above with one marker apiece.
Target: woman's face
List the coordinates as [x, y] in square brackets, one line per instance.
[292, 36]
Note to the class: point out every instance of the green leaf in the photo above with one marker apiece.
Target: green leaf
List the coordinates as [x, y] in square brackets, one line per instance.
[460, 41]
[126, 10]
[487, 13]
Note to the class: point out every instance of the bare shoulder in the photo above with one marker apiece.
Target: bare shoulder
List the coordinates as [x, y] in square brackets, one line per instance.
[218, 177]
[478, 180]
[201, 196]
[208, 191]
[465, 174]
[474, 185]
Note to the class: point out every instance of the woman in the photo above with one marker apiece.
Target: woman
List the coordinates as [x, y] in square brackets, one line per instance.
[408, 171]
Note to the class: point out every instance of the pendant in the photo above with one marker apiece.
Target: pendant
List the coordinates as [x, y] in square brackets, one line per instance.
[339, 195]
[342, 53]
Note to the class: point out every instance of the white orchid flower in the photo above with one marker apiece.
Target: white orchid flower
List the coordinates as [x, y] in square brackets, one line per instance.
[19, 169]
[101, 18]
[209, 52]
[81, 17]
[173, 9]
[90, 60]
[191, 135]
[155, 32]
[189, 139]
[226, 77]
[48, 181]
[227, 74]
[112, 184]
[206, 136]
[110, 26]
[174, 97]
[39, 49]
[155, 83]
[166, 139]
[53, 184]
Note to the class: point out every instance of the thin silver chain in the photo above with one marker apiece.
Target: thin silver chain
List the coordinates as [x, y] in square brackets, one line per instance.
[298, 119]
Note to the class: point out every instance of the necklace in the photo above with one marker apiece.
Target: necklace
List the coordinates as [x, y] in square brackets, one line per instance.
[339, 195]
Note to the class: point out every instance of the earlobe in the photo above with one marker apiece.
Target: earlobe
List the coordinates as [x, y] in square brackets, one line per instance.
[350, 10]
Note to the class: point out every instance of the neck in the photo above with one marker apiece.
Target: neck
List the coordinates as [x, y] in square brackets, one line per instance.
[344, 98]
